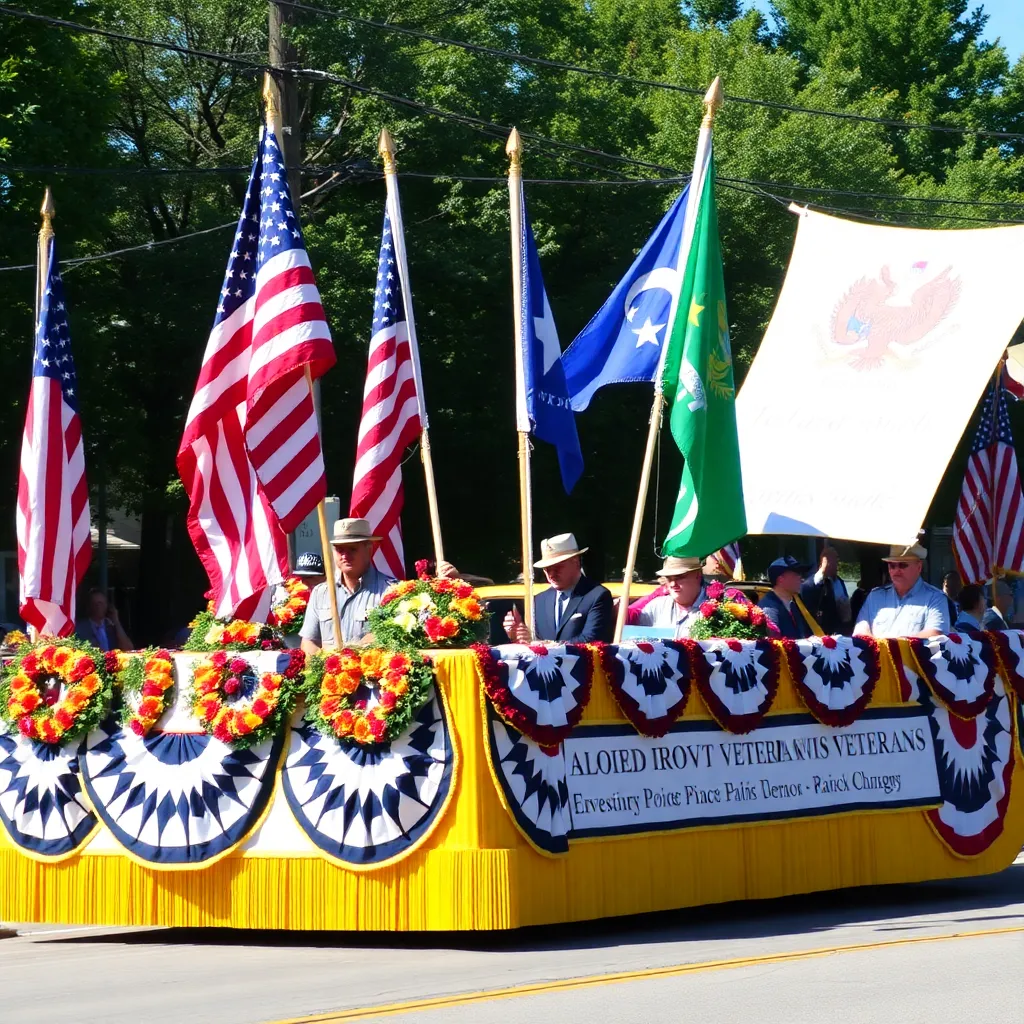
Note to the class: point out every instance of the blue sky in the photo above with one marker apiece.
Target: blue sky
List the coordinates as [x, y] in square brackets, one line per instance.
[1006, 20]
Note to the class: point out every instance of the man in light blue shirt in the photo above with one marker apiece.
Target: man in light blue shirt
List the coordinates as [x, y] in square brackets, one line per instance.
[907, 606]
[359, 587]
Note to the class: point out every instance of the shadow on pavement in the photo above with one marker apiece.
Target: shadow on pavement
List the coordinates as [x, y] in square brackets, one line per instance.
[814, 912]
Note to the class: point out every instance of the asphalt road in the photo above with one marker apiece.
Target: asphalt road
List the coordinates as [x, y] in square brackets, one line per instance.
[922, 953]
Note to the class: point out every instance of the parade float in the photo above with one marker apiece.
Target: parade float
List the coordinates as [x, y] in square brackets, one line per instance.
[481, 788]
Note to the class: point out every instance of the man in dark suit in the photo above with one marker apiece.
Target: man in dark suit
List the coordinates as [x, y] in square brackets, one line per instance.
[573, 609]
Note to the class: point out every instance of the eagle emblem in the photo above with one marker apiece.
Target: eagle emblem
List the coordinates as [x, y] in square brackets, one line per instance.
[876, 319]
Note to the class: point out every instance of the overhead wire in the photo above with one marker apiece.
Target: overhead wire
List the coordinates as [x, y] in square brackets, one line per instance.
[615, 76]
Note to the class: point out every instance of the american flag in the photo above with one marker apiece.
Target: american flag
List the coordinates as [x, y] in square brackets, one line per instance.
[729, 557]
[54, 547]
[988, 531]
[250, 457]
[392, 414]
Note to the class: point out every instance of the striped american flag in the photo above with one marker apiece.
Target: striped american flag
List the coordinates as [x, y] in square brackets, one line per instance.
[392, 413]
[54, 547]
[988, 530]
[729, 557]
[250, 457]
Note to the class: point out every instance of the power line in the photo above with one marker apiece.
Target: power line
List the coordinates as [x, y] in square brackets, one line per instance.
[614, 76]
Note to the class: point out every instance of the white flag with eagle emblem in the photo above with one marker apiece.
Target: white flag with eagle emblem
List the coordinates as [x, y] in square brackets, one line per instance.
[881, 344]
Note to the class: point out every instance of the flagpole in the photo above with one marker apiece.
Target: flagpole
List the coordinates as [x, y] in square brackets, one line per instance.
[514, 150]
[386, 148]
[47, 211]
[996, 397]
[272, 102]
[712, 101]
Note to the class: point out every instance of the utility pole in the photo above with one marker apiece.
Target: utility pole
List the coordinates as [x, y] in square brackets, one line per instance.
[282, 54]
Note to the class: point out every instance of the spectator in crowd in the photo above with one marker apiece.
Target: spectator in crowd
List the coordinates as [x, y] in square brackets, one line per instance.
[972, 608]
[359, 584]
[907, 606]
[998, 615]
[574, 608]
[825, 595]
[857, 599]
[786, 576]
[679, 606]
[309, 567]
[102, 624]
[951, 587]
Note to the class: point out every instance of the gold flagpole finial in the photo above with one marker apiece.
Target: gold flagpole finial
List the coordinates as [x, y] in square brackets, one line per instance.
[386, 148]
[713, 99]
[271, 101]
[514, 150]
[48, 209]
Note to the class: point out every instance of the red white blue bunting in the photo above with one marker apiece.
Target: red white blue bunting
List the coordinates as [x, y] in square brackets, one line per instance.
[651, 682]
[974, 758]
[531, 781]
[1009, 645]
[540, 691]
[41, 802]
[960, 668]
[835, 675]
[738, 680]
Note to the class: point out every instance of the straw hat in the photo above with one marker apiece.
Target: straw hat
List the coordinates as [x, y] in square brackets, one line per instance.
[679, 566]
[351, 531]
[906, 553]
[557, 549]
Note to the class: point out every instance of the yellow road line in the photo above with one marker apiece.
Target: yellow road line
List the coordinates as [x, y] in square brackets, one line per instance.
[569, 984]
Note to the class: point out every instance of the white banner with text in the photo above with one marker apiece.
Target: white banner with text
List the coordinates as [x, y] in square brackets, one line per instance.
[697, 774]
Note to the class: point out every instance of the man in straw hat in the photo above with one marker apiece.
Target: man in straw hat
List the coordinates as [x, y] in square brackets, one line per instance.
[360, 587]
[574, 608]
[679, 608]
[907, 606]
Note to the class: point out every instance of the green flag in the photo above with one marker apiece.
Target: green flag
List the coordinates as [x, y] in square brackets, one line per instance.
[699, 387]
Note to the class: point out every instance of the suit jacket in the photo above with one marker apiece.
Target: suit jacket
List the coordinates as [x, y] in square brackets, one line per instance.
[85, 630]
[792, 625]
[820, 599]
[993, 619]
[588, 616]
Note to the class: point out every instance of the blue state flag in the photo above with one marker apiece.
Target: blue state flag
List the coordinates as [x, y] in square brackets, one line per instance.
[542, 401]
[622, 343]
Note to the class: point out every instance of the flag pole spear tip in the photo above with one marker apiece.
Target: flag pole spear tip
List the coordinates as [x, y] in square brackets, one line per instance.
[386, 148]
[47, 209]
[713, 99]
[514, 146]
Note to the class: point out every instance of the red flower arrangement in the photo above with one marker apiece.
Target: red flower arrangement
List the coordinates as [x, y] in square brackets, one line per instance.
[288, 615]
[728, 613]
[56, 691]
[396, 686]
[226, 713]
[147, 685]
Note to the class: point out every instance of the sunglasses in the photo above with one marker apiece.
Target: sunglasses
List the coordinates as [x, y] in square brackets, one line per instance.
[898, 565]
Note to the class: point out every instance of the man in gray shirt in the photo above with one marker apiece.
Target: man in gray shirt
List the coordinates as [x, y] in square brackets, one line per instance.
[359, 587]
[907, 606]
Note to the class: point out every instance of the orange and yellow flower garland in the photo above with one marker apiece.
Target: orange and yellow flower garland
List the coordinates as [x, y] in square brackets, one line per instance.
[429, 613]
[229, 716]
[395, 686]
[147, 683]
[56, 691]
[288, 615]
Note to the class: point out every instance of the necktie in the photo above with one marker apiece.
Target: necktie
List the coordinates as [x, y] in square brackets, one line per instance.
[561, 599]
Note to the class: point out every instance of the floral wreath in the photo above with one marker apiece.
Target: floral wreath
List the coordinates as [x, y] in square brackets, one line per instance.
[366, 697]
[429, 613]
[237, 706]
[56, 691]
[212, 634]
[147, 687]
[287, 616]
